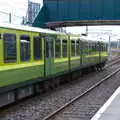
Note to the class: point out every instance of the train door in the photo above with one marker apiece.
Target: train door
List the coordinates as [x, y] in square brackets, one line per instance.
[49, 55]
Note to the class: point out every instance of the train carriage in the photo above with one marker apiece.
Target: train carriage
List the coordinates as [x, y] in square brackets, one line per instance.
[30, 56]
[22, 55]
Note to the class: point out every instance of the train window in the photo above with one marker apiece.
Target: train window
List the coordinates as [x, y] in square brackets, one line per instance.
[64, 46]
[57, 48]
[85, 48]
[25, 47]
[0, 36]
[101, 47]
[77, 48]
[97, 47]
[73, 48]
[9, 48]
[106, 46]
[89, 47]
[94, 47]
[49, 46]
[37, 48]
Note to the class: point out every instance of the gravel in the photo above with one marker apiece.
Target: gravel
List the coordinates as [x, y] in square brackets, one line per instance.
[40, 106]
[86, 107]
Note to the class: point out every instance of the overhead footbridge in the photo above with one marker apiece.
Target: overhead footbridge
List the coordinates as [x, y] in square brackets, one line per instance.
[60, 13]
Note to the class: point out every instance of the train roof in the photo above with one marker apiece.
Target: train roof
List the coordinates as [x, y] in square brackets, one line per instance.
[29, 28]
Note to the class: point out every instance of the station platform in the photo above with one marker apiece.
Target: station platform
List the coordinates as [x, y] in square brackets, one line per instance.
[111, 109]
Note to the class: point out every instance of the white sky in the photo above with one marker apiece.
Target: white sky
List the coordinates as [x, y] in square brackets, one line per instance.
[93, 30]
[16, 8]
[19, 8]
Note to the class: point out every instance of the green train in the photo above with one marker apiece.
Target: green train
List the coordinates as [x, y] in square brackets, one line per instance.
[29, 56]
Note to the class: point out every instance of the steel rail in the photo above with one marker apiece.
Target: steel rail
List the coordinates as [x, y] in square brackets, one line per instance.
[81, 95]
[112, 62]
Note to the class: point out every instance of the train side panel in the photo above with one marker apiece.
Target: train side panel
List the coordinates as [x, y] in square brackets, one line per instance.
[75, 53]
[90, 53]
[16, 65]
[104, 52]
[61, 54]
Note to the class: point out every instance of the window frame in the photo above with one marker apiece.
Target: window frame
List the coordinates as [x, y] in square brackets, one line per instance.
[40, 49]
[63, 42]
[73, 42]
[77, 44]
[10, 61]
[58, 42]
[24, 35]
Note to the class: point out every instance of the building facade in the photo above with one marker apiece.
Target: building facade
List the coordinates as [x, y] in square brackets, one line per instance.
[32, 12]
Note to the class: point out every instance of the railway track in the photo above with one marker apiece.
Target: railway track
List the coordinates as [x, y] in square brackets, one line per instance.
[112, 62]
[86, 107]
[42, 106]
[50, 116]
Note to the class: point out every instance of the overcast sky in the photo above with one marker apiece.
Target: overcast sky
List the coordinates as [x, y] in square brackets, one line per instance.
[19, 8]
[16, 8]
[95, 32]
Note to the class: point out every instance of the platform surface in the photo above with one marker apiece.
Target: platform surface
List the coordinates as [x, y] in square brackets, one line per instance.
[111, 109]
